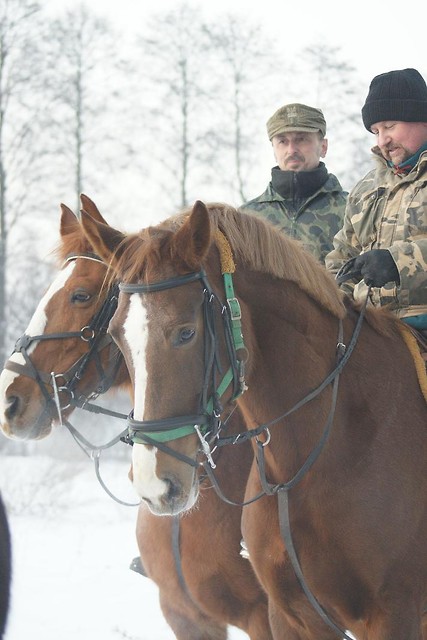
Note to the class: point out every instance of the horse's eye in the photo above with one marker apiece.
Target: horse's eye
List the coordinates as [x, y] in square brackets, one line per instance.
[80, 296]
[185, 335]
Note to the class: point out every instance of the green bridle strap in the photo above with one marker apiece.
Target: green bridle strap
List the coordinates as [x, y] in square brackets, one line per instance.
[161, 433]
[186, 430]
[225, 382]
[235, 311]
[164, 436]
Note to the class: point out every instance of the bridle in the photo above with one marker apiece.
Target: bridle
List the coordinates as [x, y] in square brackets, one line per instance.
[207, 422]
[209, 416]
[95, 335]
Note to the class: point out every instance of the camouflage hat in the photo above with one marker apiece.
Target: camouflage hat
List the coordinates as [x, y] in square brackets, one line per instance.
[296, 117]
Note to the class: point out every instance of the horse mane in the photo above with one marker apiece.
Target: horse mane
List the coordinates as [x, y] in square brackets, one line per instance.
[256, 244]
[263, 247]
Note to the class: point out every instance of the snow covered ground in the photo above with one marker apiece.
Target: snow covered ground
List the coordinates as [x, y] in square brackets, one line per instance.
[72, 546]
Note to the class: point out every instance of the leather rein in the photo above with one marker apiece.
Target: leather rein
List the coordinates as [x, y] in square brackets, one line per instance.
[53, 384]
[207, 422]
[211, 419]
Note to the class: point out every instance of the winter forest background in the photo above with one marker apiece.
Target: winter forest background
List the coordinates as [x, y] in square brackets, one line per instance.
[143, 125]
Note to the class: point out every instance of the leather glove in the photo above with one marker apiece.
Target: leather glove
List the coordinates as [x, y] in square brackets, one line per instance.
[376, 267]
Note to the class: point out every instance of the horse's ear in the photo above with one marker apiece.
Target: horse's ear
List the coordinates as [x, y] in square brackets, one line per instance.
[69, 222]
[193, 239]
[103, 238]
[91, 208]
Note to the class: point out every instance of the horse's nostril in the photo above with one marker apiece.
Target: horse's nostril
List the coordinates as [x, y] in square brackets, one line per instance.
[174, 489]
[13, 406]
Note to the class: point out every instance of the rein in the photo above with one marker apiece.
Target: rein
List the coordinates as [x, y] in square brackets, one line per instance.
[94, 453]
[343, 355]
[95, 334]
[65, 383]
[207, 422]
[282, 489]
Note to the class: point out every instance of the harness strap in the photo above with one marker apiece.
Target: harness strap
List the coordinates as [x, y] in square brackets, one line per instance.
[176, 539]
[285, 529]
[251, 433]
[235, 312]
[144, 439]
[94, 452]
[96, 456]
[22, 369]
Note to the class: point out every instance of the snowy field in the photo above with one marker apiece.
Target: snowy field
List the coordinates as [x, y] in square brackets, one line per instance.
[72, 546]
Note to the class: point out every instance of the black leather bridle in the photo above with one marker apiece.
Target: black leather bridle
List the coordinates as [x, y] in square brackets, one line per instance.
[95, 334]
[207, 422]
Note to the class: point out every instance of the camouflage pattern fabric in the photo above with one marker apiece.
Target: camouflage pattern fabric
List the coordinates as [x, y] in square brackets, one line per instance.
[314, 223]
[387, 211]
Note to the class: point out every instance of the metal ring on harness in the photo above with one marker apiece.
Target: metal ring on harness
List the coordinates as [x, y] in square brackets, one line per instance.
[264, 444]
[86, 329]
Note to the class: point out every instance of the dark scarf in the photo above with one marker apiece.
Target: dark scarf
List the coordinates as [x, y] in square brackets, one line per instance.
[409, 164]
[298, 186]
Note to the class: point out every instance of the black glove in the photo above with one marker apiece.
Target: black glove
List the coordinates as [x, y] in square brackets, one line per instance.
[376, 267]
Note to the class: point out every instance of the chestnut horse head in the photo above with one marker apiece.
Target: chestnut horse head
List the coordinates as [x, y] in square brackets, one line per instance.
[65, 352]
[223, 587]
[351, 458]
[169, 316]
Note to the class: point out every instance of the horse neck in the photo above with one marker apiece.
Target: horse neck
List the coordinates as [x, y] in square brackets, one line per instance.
[292, 344]
[288, 333]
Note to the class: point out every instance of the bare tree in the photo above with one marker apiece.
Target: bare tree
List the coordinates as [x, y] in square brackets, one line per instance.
[334, 86]
[91, 135]
[243, 62]
[175, 92]
[21, 70]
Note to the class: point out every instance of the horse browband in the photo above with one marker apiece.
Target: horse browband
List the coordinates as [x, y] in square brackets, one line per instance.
[162, 285]
[157, 432]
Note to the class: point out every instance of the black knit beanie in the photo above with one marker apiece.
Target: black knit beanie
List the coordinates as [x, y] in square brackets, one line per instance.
[397, 95]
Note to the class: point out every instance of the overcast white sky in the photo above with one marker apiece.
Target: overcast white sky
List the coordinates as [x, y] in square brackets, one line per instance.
[374, 36]
[377, 36]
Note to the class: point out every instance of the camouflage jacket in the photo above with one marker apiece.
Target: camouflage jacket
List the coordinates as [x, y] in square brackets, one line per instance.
[388, 211]
[314, 219]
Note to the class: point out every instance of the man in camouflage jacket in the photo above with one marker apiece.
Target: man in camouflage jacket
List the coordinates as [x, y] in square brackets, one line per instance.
[385, 224]
[303, 199]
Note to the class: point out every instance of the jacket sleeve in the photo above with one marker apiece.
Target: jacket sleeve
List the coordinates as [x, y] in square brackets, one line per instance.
[411, 261]
[346, 246]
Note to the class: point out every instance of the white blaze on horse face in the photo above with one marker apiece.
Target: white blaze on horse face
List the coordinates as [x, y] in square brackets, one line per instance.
[145, 481]
[36, 327]
[135, 334]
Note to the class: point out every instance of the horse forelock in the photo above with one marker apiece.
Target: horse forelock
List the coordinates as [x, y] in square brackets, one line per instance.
[141, 256]
[76, 244]
[72, 243]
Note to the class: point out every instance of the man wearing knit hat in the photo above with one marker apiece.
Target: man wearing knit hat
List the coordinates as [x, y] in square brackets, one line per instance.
[383, 242]
[303, 199]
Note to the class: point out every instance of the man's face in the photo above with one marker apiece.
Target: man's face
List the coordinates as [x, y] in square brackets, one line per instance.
[299, 151]
[397, 140]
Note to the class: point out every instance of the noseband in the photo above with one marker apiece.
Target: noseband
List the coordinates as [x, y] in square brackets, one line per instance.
[206, 423]
[95, 334]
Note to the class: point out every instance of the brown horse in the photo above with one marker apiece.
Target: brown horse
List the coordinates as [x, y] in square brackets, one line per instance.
[333, 408]
[215, 587]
